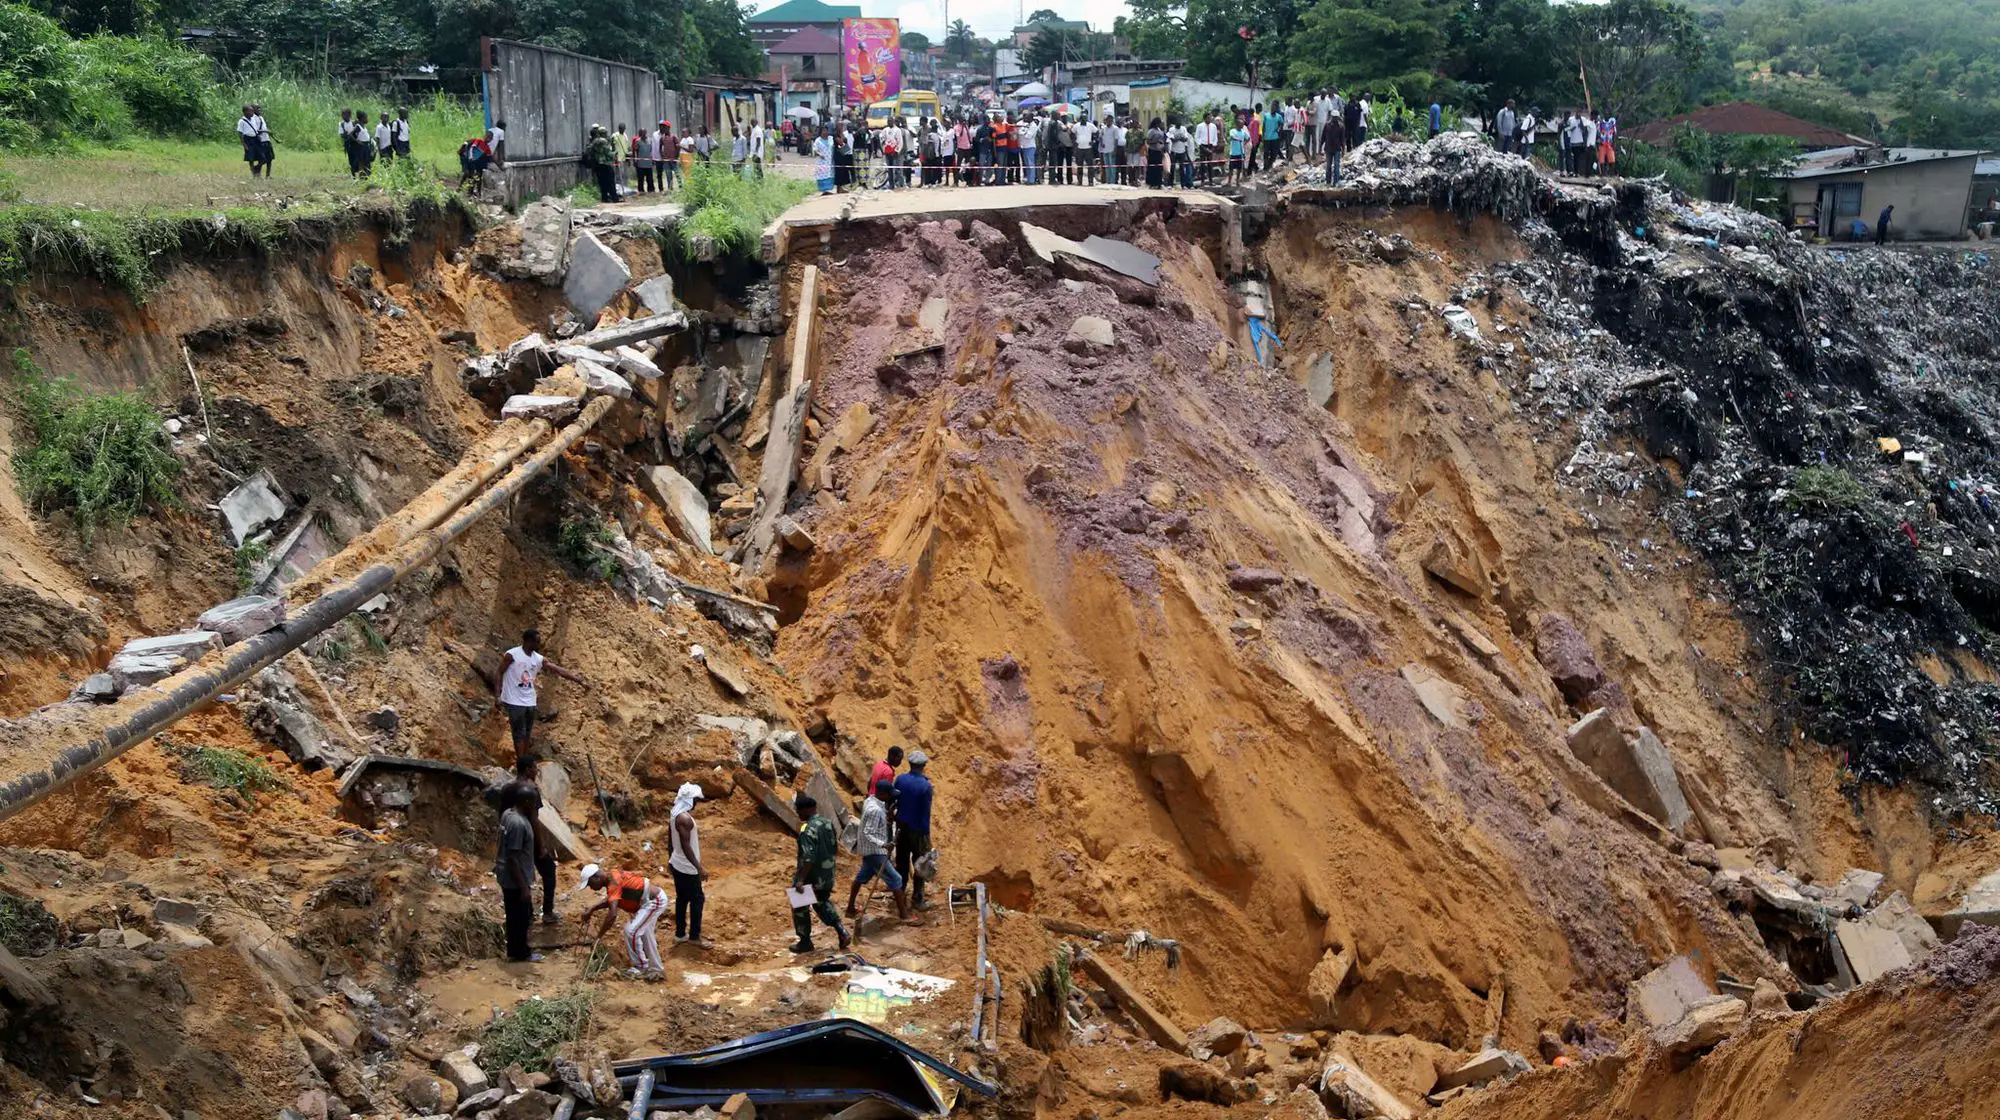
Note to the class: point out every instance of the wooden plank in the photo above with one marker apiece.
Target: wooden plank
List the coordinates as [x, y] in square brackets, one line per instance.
[769, 799]
[1156, 1025]
[787, 436]
[631, 331]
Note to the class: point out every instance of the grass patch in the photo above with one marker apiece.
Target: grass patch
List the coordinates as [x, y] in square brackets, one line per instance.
[371, 638]
[101, 456]
[225, 768]
[727, 213]
[27, 928]
[582, 542]
[1828, 488]
[531, 1034]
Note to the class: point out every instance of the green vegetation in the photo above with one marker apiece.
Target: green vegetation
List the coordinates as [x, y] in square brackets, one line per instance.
[370, 637]
[581, 541]
[678, 40]
[729, 211]
[249, 560]
[1924, 74]
[1828, 488]
[531, 1034]
[229, 769]
[101, 456]
[27, 928]
[1927, 73]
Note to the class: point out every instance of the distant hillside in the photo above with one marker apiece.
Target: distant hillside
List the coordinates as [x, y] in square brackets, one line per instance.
[1913, 71]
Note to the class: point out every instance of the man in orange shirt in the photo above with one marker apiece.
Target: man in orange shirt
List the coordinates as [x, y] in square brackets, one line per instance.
[1008, 156]
[632, 893]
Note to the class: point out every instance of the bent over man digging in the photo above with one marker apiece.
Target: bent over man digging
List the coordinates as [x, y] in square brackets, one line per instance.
[634, 894]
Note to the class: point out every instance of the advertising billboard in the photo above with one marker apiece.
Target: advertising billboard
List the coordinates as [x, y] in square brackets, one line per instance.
[871, 59]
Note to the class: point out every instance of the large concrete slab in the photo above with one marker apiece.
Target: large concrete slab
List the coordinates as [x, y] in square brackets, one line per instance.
[1661, 997]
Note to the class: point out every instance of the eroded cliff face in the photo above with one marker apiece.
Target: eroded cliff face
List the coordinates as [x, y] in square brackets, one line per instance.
[1279, 657]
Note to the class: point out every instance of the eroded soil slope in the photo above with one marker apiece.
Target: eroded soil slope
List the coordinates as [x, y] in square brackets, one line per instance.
[1164, 625]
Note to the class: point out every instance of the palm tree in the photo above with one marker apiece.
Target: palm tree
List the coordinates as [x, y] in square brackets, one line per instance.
[958, 40]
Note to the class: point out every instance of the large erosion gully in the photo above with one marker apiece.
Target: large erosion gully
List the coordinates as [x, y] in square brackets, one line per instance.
[110, 732]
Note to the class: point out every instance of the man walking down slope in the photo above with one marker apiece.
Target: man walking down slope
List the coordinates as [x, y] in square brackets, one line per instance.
[519, 671]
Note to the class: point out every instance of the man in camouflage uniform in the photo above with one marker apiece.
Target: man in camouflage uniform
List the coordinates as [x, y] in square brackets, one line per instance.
[602, 156]
[818, 845]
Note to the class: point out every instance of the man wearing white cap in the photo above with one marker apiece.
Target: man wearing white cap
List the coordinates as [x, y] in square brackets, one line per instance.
[684, 860]
[632, 893]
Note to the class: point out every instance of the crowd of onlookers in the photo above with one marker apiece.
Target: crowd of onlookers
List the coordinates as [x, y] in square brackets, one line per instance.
[1586, 142]
[1063, 145]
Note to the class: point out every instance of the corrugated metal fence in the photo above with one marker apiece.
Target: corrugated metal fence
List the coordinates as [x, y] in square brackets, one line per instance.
[550, 97]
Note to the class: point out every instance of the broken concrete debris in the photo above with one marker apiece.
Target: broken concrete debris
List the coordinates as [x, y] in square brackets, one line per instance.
[1704, 1026]
[243, 618]
[599, 379]
[146, 661]
[277, 711]
[1217, 1038]
[1663, 996]
[545, 231]
[533, 407]
[1090, 331]
[1349, 1092]
[597, 274]
[682, 502]
[656, 294]
[1489, 1064]
[1637, 766]
[255, 503]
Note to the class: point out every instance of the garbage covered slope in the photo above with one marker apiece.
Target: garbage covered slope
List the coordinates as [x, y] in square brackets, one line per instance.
[1823, 426]
[1125, 587]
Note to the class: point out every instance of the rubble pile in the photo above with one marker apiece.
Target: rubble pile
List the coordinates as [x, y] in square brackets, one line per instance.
[1821, 425]
[1457, 171]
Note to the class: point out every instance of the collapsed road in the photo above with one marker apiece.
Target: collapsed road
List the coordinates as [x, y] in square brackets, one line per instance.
[1455, 640]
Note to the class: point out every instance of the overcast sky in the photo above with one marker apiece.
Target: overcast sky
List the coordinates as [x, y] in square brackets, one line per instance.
[988, 18]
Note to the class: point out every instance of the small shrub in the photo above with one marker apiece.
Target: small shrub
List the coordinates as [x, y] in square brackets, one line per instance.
[27, 928]
[166, 88]
[531, 1034]
[249, 560]
[728, 210]
[1827, 488]
[578, 543]
[412, 179]
[100, 456]
[229, 769]
[370, 637]
[37, 77]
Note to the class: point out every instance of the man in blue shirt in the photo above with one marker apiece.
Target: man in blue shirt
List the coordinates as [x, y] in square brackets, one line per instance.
[1274, 134]
[913, 825]
[1437, 119]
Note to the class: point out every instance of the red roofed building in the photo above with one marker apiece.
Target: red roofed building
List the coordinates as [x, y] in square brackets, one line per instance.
[1742, 118]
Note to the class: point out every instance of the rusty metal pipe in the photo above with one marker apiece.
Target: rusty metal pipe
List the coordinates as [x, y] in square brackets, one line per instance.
[145, 713]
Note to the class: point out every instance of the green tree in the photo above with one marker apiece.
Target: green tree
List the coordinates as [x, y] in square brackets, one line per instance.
[1497, 49]
[1044, 15]
[1054, 46]
[1379, 44]
[1155, 29]
[1634, 55]
[958, 41]
[916, 41]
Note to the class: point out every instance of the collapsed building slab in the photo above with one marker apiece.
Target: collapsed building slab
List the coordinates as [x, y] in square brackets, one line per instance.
[1636, 765]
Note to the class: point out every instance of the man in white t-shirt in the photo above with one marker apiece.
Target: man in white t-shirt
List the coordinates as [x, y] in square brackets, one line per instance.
[519, 670]
[757, 139]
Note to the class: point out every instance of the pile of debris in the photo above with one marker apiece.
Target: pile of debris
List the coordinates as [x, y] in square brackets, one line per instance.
[1456, 171]
[1832, 427]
